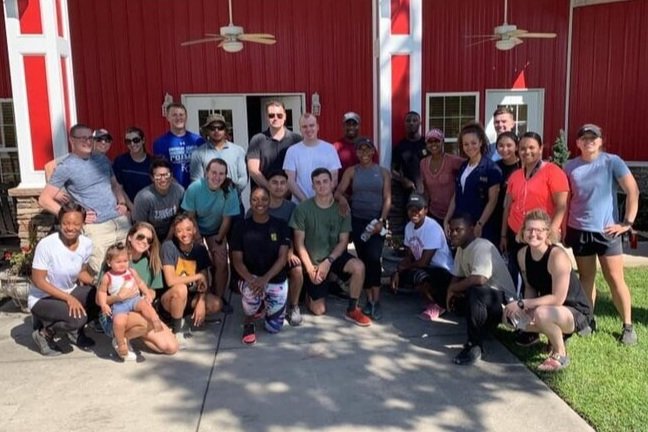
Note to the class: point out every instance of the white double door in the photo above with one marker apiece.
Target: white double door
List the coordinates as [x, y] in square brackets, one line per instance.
[239, 114]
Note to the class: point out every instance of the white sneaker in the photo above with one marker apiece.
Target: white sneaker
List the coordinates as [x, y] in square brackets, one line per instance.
[294, 316]
[131, 356]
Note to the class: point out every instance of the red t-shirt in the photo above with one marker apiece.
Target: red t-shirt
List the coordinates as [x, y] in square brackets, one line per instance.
[534, 193]
[440, 186]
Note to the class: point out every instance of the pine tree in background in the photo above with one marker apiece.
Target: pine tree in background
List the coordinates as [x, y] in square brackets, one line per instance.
[560, 151]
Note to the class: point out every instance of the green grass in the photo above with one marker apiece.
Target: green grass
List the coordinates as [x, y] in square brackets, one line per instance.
[606, 383]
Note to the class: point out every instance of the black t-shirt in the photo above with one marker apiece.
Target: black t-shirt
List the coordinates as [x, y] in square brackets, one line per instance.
[260, 245]
[407, 157]
[507, 170]
[185, 264]
[270, 152]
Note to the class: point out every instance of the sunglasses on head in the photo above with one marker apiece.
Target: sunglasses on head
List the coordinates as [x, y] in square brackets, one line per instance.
[135, 140]
[278, 115]
[140, 237]
[216, 127]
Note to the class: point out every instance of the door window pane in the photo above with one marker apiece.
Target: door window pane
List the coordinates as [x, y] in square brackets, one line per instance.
[449, 112]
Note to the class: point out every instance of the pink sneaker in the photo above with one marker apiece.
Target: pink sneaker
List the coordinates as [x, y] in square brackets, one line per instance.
[432, 312]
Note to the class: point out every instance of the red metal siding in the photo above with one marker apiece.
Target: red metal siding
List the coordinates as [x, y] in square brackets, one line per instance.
[609, 84]
[5, 78]
[450, 66]
[127, 54]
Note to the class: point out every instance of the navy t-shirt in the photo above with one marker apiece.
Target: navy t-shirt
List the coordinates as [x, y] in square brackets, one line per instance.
[185, 264]
[133, 176]
[260, 243]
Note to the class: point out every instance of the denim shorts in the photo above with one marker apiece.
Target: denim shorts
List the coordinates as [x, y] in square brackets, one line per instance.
[125, 306]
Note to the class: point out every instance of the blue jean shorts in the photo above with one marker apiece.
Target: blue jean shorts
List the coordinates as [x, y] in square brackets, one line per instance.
[128, 305]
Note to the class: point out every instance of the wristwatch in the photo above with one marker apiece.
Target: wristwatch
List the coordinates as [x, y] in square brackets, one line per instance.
[520, 304]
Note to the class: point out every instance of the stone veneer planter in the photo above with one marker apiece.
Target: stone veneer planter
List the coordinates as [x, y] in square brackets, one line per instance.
[14, 287]
[29, 215]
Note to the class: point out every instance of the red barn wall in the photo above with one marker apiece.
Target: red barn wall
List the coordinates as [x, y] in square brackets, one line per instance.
[5, 78]
[127, 54]
[449, 65]
[609, 84]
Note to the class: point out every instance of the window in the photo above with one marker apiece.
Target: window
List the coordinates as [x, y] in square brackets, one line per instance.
[9, 168]
[449, 112]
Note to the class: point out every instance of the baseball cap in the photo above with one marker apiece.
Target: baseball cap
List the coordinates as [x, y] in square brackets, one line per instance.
[589, 128]
[416, 200]
[366, 142]
[351, 116]
[213, 118]
[436, 134]
[101, 134]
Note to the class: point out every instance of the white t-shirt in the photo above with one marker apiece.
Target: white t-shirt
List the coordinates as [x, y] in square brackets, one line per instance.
[303, 160]
[429, 236]
[464, 175]
[62, 264]
[481, 258]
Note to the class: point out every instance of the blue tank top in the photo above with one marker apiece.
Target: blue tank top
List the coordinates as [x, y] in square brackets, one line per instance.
[367, 195]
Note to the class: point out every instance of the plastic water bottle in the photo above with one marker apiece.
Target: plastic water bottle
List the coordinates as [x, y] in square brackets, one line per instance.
[368, 232]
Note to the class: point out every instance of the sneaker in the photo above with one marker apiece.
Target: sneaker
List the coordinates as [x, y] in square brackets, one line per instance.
[628, 335]
[357, 317]
[377, 312]
[468, 355]
[249, 336]
[45, 344]
[294, 316]
[526, 339]
[433, 311]
[368, 309]
[130, 356]
[80, 339]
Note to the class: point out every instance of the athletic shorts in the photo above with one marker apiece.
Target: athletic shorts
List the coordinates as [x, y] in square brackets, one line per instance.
[587, 243]
[316, 292]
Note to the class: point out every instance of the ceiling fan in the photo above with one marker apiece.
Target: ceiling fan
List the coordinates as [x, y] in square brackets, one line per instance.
[231, 37]
[507, 36]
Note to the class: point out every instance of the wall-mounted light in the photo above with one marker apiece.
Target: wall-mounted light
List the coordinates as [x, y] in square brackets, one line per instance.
[316, 107]
[232, 46]
[168, 100]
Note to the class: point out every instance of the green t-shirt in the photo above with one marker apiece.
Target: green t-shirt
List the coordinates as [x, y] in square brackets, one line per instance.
[322, 227]
[153, 281]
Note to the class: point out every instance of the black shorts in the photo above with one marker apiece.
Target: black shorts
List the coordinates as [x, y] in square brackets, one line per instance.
[316, 292]
[581, 321]
[587, 243]
[166, 315]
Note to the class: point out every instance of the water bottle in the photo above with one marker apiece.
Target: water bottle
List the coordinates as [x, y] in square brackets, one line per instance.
[368, 232]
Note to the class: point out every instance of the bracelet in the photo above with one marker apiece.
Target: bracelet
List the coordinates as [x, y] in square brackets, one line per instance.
[626, 222]
[330, 259]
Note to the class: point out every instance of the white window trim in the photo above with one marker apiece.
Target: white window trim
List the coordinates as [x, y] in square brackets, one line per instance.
[449, 94]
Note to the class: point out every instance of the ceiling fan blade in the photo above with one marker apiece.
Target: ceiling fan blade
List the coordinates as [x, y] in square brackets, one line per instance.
[250, 38]
[212, 34]
[258, 35]
[480, 36]
[199, 41]
[482, 41]
[538, 35]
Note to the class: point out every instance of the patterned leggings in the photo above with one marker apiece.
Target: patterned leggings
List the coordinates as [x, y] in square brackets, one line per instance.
[274, 296]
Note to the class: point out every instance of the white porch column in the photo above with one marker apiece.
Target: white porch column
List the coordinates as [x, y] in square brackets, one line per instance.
[40, 64]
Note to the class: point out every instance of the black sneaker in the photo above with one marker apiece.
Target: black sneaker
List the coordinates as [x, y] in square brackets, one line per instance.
[468, 355]
[45, 344]
[80, 339]
[526, 339]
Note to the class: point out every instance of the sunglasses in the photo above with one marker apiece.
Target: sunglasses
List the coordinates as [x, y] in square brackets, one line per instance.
[104, 140]
[273, 115]
[140, 237]
[136, 140]
[216, 127]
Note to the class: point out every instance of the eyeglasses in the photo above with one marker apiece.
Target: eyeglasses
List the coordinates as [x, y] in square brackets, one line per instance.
[135, 140]
[104, 140]
[82, 138]
[535, 230]
[140, 237]
[161, 176]
[216, 127]
[273, 115]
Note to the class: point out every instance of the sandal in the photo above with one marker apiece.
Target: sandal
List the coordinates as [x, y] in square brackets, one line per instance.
[554, 362]
[249, 337]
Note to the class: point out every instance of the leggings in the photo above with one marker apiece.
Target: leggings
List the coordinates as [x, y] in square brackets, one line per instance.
[54, 315]
[484, 311]
[274, 295]
[369, 252]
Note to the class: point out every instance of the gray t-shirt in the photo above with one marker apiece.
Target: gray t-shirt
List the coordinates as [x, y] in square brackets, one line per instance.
[88, 182]
[157, 209]
[481, 258]
[367, 195]
[231, 153]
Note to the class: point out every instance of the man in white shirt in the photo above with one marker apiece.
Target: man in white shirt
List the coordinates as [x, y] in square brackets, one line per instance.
[304, 157]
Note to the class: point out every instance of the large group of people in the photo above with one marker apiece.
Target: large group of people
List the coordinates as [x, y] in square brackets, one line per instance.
[149, 244]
